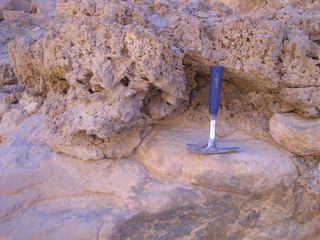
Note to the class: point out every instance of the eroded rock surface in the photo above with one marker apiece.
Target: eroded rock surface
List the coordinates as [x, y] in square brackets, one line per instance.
[93, 84]
[299, 135]
[51, 196]
[256, 168]
[112, 67]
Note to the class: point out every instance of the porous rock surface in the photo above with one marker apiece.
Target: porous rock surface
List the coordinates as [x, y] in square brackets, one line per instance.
[123, 85]
[109, 69]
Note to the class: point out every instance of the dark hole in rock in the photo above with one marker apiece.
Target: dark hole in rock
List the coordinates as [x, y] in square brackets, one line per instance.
[125, 81]
[152, 101]
[315, 58]
[90, 91]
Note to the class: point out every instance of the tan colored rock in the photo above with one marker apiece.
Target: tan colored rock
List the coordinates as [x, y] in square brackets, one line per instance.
[129, 89]
[126, 65]
[107, 71]
[258, 167]
[299, 135]
[96, 196]
[10, 121]
[45, 195]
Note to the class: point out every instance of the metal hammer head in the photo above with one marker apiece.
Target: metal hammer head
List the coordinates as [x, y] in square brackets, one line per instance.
[211, 148]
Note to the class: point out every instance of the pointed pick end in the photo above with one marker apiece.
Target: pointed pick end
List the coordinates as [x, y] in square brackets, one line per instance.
[193, 148]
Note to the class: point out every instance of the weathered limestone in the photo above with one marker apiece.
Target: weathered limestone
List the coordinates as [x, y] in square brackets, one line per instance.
[257, 168]
[107, 71]
[127, 92]
[112, 67]
[299, 135]
[51, 196]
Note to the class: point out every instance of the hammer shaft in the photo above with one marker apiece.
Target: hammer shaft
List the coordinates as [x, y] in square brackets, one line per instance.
[212, 135]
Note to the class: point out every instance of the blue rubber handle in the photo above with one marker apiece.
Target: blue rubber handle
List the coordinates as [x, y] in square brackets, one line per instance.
[215, 89]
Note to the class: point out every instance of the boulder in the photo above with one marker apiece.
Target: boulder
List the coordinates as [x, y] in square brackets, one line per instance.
[299, 135]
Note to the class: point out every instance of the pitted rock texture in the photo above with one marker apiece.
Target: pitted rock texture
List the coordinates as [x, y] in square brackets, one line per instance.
[125, 85]
[112, 67]
[107, 79]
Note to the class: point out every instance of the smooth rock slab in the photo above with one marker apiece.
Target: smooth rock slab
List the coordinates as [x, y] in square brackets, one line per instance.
[258, 167]
[297, 134]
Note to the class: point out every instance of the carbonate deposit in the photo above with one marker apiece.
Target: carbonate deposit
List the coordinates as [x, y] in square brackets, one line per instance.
[99, 98]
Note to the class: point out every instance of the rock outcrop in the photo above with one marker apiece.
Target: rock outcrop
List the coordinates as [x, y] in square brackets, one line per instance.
[53, 196]
[110, 69]
[123, 85]
[255, 169]
[299, 135]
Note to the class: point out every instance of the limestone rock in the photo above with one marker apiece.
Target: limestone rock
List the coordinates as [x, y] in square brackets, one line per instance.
[53, 196]
[107, 71]
[10, 121]
[126, 65]
[257, 167]
[128, 89]
[299, 135]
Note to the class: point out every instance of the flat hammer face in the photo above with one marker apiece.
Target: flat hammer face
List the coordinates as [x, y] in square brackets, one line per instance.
[214, 102]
